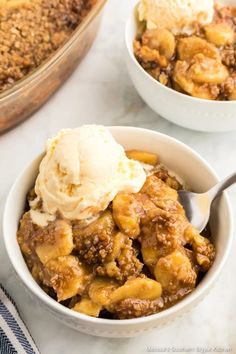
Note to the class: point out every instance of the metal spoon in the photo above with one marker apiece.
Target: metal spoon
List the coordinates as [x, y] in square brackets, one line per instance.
[198, 206]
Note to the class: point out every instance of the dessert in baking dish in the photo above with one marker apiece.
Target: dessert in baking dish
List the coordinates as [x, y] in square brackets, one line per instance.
[32, 30]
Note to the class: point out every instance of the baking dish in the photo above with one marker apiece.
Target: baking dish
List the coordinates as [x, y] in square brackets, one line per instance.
[28, 94]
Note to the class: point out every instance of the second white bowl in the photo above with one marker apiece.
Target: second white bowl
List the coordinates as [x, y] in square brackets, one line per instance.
[186, 111]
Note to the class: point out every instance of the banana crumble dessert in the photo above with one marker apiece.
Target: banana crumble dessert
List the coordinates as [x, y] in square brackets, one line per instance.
[104, 233]
[189, 46]
[31, 30]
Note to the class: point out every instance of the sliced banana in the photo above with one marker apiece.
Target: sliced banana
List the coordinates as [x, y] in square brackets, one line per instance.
[56, 242]
[142, 156]
[220, 34]
[88, 307]
[182, 77]
[207, 70]
[161, 40]
[138, 288]
[190, 46]
[67, 276]
[175, 272]
[126, 214]
[101, 289]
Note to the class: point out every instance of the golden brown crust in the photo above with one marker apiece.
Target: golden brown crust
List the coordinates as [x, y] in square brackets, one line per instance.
[95, 242]
[32, 30]
[124, 265]
[67, 276]
[133, 308]
[203, 249]
[137, 258]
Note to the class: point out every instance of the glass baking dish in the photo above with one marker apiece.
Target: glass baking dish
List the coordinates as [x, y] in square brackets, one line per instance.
[28, 94]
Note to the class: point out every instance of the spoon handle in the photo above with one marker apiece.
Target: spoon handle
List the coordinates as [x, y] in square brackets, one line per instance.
[220, 187]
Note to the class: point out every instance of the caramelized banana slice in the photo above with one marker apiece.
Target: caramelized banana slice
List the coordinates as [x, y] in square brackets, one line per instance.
[220, 34]
[126, 214]
[119, 243]
[67, 276]
[25, 236]
[182, 77]
[14, 3]
[162, 232]
[137, 288]
[56, 240]
[207, 70]
[175, 273]
[190, 46]
[203, 249]
[101, 289]
[158, 191]
[88, 307]
[142, 156]
[161, 40]
[146, 55]
[150, 251]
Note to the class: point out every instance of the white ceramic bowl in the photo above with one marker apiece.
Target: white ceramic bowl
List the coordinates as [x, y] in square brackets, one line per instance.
[181, 109]
[188, 165]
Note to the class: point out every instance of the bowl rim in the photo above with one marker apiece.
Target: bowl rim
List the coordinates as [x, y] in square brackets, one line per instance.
[175, 309]
[54, 57]
[156, 82]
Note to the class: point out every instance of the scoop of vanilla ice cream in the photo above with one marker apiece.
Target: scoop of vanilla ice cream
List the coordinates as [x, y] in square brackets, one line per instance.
[82, 172]
[178, 16]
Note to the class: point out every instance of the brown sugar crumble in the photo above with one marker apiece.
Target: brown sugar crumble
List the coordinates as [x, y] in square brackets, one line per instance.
[31, 30]
[138, 257]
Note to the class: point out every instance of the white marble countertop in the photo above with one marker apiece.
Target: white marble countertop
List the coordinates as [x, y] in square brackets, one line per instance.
[100, 91]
